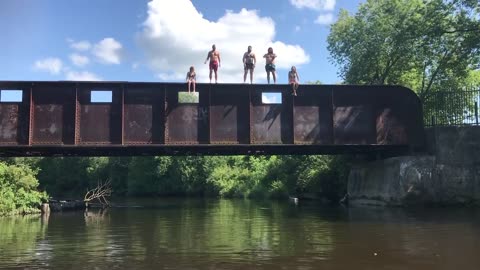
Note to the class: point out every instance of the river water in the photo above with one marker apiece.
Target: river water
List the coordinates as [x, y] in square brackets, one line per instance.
[242, 234]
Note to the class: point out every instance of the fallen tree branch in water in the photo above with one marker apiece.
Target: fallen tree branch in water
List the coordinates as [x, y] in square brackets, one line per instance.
[100, 193]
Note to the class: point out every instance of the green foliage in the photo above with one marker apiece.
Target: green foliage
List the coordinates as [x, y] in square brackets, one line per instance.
[428, 46]
[18, 190]
[231, 176]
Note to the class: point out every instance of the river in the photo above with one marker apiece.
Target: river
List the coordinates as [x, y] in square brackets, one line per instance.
[242, 234]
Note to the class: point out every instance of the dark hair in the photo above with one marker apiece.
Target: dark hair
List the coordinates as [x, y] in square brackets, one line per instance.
[270, 49]
[192, 69]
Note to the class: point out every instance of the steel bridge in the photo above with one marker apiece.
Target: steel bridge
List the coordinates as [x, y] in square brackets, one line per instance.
[133, 118]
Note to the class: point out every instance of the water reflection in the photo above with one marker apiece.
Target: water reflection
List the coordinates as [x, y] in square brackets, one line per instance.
[238, 234]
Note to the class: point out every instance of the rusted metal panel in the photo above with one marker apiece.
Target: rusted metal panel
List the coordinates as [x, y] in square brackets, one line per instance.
[390, 129]
[229, 115]
[144, 121]
[271, 123]
[53, 114]
[100, 123]
[397, 122]
[353, 116]
[186, 123]
[312, 116]
[9, 123]
[14, 116]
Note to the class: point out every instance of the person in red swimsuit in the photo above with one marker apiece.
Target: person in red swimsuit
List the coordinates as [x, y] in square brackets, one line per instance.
[214, 57]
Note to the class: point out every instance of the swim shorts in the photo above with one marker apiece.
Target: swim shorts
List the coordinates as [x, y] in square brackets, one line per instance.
[214, 65]
[248, 66]
[270, 67]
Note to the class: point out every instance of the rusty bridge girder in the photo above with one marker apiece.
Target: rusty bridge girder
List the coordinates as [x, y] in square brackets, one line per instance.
[60, 118]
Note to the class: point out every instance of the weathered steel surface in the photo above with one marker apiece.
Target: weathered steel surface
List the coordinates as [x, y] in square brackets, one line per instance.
[147, 118]
[229, 115]
[186, 123]
[53, 114]
[271, 123]
[14, 117]
[100, 123]
[144, 107]
[353, 116]
[312, 115]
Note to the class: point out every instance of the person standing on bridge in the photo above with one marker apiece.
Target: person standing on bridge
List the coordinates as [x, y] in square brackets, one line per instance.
[191, 78]
[293, 80]
[214, 57]
[270, 65]
[249, 61]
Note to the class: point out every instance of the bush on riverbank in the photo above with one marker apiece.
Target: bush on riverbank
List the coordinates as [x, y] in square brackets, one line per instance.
[18, 190]
[226, 176]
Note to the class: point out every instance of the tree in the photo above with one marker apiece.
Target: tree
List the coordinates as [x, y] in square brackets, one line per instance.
[18, 190]
[425, 45]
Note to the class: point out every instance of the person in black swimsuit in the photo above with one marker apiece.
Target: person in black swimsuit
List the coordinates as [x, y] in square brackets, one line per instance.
[249, 61]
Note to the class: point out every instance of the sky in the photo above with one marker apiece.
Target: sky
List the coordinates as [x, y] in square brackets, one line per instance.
[158, 40]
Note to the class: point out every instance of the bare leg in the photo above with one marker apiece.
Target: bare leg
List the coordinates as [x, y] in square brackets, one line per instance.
[189, 82]
[251, 76]
[274, 77]
[216, 77]
[210, 76]
[194, 83]
[268, 77]
[245, 75]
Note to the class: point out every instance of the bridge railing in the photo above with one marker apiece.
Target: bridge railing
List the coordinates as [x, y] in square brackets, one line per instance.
[452, 108]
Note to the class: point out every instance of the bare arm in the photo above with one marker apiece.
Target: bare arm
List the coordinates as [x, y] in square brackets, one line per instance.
[298, 77]
[244, 58]
[208, 57]
[254, 60]
[218, 59]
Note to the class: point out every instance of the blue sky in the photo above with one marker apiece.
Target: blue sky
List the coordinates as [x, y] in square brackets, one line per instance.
[158, 40]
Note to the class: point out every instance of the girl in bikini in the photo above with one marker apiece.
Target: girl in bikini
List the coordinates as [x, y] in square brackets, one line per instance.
[293, 79]
[191, 78]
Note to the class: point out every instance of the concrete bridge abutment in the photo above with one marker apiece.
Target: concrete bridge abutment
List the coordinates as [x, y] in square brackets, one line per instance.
[447, 174]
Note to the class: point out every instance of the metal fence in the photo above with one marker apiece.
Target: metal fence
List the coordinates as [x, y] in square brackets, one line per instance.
[452, 108]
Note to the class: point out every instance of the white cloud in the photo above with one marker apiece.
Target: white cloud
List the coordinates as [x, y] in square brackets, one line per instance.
[327, 5]
[52, 65]
[324, 18]
[176, 36]
[79, 60]
[297, 28]
[82, 76]
[80, 46]
[108, 51]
